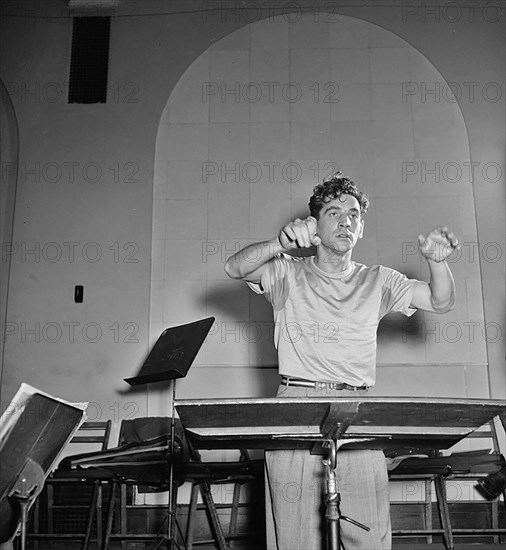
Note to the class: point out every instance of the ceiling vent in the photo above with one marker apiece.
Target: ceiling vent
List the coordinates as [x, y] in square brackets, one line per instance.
[89, 62]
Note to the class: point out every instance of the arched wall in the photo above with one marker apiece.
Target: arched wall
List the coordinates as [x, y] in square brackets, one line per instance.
[9, 151]
[253, 124]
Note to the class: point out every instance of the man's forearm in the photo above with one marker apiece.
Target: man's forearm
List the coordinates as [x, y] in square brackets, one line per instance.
[442, 286]
[251, 258]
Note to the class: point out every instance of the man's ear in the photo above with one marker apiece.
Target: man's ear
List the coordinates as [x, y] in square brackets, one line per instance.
[361, 234]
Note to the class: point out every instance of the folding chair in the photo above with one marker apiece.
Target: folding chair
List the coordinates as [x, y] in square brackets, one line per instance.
[91, 434]
[188, 468]
[438, 469]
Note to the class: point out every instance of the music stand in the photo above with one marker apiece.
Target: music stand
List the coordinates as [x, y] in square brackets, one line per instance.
[33, 432]
[170, 358]
[399, 426]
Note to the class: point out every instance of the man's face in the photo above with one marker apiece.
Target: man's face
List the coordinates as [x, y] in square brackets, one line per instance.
[340, 224]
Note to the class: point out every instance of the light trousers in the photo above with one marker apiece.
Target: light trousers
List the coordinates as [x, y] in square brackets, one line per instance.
[295, 493]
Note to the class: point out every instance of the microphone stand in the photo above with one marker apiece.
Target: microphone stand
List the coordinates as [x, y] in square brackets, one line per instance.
[333, 501]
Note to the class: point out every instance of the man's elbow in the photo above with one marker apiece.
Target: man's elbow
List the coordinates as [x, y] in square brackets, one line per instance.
[443, 307]
[232, 270]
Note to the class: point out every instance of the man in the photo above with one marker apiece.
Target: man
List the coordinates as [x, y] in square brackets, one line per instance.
[326, 312]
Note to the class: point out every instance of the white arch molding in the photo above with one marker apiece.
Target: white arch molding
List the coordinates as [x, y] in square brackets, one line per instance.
[9, 157]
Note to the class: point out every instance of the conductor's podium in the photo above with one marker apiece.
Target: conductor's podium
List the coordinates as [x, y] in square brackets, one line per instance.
[399, 426]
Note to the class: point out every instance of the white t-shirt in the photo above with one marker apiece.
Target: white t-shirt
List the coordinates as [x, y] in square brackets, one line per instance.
[325, 324]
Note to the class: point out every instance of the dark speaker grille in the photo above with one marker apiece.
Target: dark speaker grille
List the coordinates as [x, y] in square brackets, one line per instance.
[89, 61]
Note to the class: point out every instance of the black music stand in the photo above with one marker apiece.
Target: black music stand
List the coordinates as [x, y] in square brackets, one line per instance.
[34, 431]
[398, 426]
[170, 358]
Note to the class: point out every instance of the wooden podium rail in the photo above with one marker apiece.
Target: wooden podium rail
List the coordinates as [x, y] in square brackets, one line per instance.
[398, 425]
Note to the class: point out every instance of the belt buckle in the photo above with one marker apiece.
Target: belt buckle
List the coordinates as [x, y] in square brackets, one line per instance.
[333, 385]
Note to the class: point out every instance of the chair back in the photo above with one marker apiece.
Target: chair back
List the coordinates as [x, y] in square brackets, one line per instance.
[94, 432]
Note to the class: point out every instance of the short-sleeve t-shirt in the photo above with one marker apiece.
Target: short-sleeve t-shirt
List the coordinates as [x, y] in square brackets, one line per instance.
[325, 324]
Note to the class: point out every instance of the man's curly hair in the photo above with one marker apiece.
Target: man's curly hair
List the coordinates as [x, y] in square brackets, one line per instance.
[332, 187]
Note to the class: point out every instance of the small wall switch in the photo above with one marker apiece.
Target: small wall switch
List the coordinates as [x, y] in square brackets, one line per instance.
[78, 294]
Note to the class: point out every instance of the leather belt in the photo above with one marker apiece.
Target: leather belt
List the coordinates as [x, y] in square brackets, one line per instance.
[287, 381]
